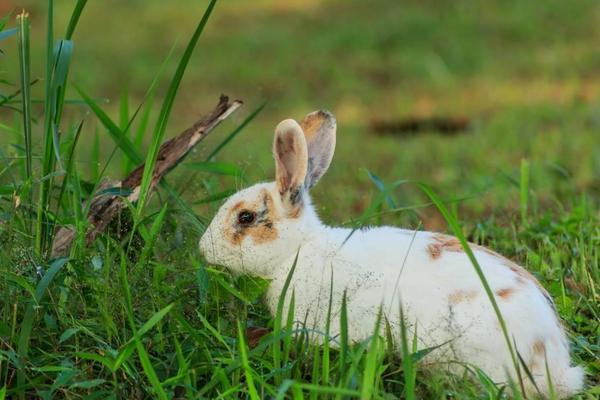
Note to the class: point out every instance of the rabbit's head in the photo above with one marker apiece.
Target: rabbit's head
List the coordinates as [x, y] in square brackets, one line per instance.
[261, 226]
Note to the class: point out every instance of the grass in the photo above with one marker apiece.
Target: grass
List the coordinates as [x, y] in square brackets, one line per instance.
[140, 316]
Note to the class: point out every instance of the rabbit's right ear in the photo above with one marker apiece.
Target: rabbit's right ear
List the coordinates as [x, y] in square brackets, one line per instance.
[291, 160]
[319, 130]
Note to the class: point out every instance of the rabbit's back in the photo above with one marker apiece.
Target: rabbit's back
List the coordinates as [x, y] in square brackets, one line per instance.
[443, 299]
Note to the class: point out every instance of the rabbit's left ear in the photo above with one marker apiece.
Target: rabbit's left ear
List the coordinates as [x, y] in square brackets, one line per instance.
[291, 160]
[319, 130]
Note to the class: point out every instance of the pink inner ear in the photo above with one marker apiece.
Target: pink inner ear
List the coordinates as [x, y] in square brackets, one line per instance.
[291, 155]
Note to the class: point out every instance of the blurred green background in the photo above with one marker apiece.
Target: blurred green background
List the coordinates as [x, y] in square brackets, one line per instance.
[525, 74]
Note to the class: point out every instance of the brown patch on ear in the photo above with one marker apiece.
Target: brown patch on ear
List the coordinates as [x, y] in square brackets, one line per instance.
[505, 293]
[461, 296]
[311, 124]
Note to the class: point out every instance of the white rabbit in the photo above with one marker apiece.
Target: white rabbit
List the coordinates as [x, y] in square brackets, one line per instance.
[260, 230]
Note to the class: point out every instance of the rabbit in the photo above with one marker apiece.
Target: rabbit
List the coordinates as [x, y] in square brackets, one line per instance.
[261, 230]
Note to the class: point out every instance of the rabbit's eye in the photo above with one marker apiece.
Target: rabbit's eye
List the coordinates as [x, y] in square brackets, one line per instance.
[246, 217]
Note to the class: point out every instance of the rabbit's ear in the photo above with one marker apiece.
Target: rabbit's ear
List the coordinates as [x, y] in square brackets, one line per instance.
[291, 159]
[319, 130]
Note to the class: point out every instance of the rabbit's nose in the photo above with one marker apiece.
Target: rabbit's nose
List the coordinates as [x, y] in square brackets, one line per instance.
[206, 248]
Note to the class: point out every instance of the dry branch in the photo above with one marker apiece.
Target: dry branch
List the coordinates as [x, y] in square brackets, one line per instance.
[104, 207]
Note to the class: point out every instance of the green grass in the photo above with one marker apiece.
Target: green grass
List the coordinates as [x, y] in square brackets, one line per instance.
[141, 316]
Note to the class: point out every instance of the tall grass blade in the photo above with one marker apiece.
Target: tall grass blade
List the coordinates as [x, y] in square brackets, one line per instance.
[143, 355]
[120, 139]
[325, 361]
[28, 318]
[68, 174]
[246, 364]
[344, 342]
[165, 111]
[453, 223]
[47, 146]
[278, 319]
[24, 67]
[75, 18]
[8, 33]
[124, 123]
[152, 235]
[524, 190]
[57, 71]
[407, 359]
[235, 132]
[369, 382]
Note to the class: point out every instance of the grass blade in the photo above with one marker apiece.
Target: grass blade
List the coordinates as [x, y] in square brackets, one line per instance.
[407, 360]
[75, 18]
[56, 73]
[153, 234]
[278, 318]
[524, 190]
[24, 64]
[245, 363]
[114, 131]
[165, 111]
[453, 223]
[235, 132]
[28, 318]
[143, 355]
[344, 342]
[220, 168]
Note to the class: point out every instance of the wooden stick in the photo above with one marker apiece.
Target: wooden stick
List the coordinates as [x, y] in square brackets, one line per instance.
[103, 208]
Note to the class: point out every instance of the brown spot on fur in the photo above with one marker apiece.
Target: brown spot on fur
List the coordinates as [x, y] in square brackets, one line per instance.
[539, 348]
[461, 296]
[443, 242]
[505, 293]
[449, 243]
[522, 275]
[435, 250]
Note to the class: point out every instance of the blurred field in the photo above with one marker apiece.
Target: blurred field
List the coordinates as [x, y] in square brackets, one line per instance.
[526, 74]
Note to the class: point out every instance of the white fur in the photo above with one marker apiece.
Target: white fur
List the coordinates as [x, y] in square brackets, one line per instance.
[386, 267]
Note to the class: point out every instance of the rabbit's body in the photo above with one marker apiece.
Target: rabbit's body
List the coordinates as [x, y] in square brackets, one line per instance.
[428, 274]
[441, 294]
